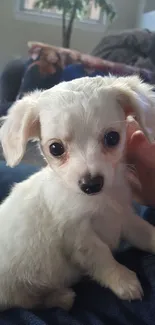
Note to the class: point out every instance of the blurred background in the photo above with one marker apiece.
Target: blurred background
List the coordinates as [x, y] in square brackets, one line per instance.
[44, 42]
[20, 22]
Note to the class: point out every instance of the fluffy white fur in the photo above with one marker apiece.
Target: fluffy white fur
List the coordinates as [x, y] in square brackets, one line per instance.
[51, 233]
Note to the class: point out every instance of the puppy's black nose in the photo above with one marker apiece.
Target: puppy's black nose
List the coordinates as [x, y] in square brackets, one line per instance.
[91, 184]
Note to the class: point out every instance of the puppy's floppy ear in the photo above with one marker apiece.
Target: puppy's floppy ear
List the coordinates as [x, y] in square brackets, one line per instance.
[138, 99]
[21, 124]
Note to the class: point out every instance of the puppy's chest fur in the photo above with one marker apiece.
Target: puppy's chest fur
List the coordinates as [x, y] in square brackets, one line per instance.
[111, 217]
[105, 213]
[47, 229]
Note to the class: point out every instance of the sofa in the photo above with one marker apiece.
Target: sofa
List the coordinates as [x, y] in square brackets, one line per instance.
[125, 53]
[134, 47]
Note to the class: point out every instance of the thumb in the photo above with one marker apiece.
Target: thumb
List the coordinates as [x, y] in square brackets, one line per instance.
[141, 151]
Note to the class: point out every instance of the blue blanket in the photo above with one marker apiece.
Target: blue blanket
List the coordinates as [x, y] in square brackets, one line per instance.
[75, 71]
[94, 305]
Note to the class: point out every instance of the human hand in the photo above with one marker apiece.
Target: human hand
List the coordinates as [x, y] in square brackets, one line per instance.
[141, 154]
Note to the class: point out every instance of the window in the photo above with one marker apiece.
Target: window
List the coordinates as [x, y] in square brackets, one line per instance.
[92, 13]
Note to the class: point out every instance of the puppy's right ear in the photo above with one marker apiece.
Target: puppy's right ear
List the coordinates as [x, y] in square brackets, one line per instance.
[21, 124]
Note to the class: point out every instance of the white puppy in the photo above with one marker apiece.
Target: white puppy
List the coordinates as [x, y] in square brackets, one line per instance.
[66, 220]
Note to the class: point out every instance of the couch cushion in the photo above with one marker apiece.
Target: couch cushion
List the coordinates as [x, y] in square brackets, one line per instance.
[51, 57]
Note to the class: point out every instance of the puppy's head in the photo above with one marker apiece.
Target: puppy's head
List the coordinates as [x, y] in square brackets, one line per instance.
[81, 126]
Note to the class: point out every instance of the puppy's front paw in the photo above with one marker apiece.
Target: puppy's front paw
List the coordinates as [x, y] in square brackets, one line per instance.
[63, 299]
[125, 284]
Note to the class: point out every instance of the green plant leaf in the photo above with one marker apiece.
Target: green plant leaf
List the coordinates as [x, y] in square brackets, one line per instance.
[72, 9]
[81, 6]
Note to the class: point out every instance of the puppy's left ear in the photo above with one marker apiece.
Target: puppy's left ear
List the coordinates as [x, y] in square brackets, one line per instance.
[138, 99]
[21, 124]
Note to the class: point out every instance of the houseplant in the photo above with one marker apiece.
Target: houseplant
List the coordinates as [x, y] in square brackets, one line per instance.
[74, 9]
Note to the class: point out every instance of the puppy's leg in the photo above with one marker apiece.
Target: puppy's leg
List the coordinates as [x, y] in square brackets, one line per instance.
[96, 258]
[139, 233]
[63, 298]
[21, 299]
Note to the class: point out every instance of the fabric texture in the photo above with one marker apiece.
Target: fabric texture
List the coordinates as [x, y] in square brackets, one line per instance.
[94, 305]
[51, 55]
[10, 80]
[74, 71]
[48, 65]
[33, 80]
[134, 47]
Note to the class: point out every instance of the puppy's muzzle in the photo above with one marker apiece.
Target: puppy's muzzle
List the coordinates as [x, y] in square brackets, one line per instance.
[91, 184]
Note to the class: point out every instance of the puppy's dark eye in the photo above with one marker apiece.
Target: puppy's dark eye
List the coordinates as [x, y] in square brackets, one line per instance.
[57, 149]
[111, 139]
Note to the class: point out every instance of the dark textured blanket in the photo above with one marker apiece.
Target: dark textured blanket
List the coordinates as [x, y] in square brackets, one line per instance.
[133, 47]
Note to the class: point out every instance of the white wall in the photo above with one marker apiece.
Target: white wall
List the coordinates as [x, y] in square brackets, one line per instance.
[15, 33]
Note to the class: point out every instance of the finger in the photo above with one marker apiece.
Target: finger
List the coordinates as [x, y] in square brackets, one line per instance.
[141, 150]
[134, 142]
[132, 126]
[137, 141]
[136, 188]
